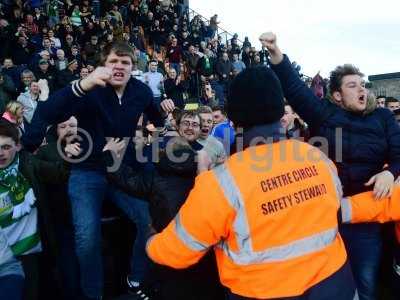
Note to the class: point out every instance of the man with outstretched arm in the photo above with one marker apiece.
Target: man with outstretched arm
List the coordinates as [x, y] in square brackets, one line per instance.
[107, 103]
[368, 141]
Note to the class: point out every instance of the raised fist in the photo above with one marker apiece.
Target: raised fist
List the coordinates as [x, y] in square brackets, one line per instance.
[99, 77]
[268, 40]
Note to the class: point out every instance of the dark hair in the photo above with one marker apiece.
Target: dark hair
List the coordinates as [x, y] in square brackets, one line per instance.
[9, 130]
[391, 100]
[336, 76]
[119, 48]
[187, 113]
[380, 96]
[176, 113]
[153, 61]
[219, 107]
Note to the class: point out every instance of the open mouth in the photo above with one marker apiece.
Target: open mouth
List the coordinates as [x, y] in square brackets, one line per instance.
[119, 75]
[3, 161]
[362, 98]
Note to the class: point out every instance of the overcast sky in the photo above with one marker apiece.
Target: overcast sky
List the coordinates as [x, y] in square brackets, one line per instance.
[319, 35]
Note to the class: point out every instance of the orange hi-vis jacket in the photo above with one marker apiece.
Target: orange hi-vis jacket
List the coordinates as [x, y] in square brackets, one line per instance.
[271, 215]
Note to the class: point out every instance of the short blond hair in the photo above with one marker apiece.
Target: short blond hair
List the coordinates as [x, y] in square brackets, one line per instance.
[13, 106]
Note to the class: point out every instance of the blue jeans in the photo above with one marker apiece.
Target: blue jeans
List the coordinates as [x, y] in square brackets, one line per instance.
[364, 248]
[87, 190]
[11, 287]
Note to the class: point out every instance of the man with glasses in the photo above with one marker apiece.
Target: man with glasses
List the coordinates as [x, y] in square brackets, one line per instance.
[168, 185]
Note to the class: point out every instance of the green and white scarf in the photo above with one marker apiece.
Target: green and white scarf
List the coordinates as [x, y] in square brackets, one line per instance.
[18, 214]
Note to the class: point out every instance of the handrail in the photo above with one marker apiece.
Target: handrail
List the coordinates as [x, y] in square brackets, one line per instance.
[220, 31]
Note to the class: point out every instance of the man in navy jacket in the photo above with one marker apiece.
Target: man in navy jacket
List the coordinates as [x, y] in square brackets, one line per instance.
[108, 103]
[368, 141]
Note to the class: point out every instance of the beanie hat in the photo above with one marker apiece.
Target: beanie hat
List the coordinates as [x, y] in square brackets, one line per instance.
[255, 97]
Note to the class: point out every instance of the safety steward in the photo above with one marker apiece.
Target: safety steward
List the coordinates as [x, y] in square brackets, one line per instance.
[271, 211]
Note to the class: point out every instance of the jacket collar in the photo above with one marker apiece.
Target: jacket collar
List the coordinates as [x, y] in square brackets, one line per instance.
[263, 134]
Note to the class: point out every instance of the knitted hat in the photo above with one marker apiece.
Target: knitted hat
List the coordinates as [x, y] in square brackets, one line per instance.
[255, 97]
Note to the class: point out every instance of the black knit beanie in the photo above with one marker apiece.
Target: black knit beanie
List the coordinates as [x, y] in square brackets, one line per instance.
[255, 97]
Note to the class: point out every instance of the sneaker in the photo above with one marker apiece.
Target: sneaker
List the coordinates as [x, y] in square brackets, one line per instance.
[137, 289]
[396, 268]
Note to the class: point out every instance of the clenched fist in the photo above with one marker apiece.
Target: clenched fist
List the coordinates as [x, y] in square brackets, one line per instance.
[268, 40]
[99, 77]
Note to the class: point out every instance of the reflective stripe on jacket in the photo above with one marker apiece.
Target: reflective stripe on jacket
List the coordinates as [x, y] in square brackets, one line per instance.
[364, 208]
[270, 212]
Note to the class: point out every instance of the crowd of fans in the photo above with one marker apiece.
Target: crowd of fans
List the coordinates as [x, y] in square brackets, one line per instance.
[48, 45]
[60, 41]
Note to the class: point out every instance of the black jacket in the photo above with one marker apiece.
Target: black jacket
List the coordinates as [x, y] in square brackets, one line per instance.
[64, 78]
[166, 186]
[175, 91]
[40, 173]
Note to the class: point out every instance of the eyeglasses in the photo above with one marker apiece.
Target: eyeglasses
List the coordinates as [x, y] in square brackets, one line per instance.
[188, 124]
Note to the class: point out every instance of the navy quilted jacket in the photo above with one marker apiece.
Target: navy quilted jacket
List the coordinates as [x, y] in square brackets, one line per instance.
[367, 142]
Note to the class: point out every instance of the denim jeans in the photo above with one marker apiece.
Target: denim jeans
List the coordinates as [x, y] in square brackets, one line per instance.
[87, 190]
[364, 248]
[11, 287]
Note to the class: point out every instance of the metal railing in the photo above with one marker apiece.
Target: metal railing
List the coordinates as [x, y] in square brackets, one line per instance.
[225, 35]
